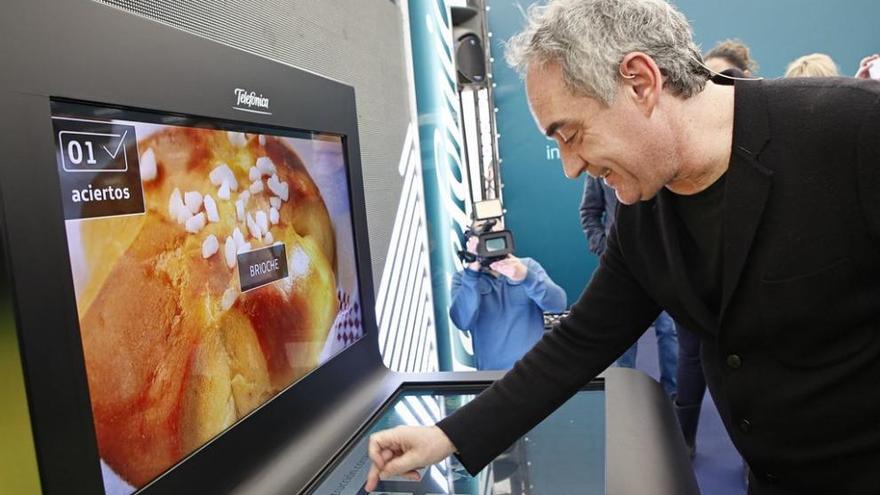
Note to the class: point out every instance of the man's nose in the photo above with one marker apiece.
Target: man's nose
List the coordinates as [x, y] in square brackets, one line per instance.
[572, 165]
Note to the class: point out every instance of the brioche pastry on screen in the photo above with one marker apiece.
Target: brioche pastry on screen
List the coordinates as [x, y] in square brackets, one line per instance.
[175, 352]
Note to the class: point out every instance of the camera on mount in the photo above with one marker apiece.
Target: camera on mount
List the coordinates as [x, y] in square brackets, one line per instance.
[492, 245]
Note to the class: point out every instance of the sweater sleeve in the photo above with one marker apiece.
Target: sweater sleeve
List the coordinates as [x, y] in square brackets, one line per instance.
[541, 289]
[869, 168]
[608, 318]
[465, 298]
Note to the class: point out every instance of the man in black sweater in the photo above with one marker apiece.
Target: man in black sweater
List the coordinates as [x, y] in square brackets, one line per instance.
[761, 204]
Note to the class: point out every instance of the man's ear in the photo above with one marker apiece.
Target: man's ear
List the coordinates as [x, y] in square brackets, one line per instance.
[641, 80]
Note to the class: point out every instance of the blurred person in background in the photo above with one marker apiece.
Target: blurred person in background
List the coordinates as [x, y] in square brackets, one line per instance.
[731, 54]
[869, 67]
[812, 65]
[502, 307]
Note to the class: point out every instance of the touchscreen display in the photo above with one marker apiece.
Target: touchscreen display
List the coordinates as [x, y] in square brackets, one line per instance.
[213, 266]
[564, 454]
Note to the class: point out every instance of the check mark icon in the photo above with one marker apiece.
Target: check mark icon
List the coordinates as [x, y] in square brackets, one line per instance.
[119, 147]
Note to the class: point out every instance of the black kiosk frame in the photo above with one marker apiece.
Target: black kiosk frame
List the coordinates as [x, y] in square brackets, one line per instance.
[83, 51]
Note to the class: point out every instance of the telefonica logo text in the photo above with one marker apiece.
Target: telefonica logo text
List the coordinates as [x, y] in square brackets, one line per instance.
[251, 101]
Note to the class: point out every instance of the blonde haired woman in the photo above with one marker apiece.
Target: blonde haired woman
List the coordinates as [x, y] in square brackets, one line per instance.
[812, 65]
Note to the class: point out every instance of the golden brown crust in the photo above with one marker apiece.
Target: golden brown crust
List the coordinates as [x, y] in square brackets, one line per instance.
[170, 362]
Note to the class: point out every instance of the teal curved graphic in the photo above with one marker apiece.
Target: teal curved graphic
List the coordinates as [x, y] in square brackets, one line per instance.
[441, 154]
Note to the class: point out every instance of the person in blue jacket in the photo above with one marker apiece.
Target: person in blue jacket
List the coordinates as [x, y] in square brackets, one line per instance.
[503, 307]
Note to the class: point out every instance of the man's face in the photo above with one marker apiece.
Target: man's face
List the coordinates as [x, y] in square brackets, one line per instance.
[627, 143]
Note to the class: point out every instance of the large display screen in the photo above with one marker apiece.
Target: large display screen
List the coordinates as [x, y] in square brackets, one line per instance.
[213, 265]
[563, 454]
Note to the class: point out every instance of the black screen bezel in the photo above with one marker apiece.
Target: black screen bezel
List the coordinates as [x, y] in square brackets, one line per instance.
[155, 68]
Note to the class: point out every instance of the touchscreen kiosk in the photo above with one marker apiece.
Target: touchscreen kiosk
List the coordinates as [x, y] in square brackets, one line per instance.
[186, 237]
[185, 228]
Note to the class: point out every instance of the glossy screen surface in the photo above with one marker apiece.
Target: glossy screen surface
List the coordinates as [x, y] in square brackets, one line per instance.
[564, 454]
[214, 266]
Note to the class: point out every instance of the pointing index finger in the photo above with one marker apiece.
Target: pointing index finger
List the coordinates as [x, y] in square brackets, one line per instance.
[375, 451]
[372, 478]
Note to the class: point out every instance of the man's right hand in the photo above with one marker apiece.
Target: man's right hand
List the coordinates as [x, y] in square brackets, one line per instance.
[402, 450]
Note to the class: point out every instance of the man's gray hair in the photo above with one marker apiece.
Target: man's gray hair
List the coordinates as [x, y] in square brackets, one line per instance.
[589, 39]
